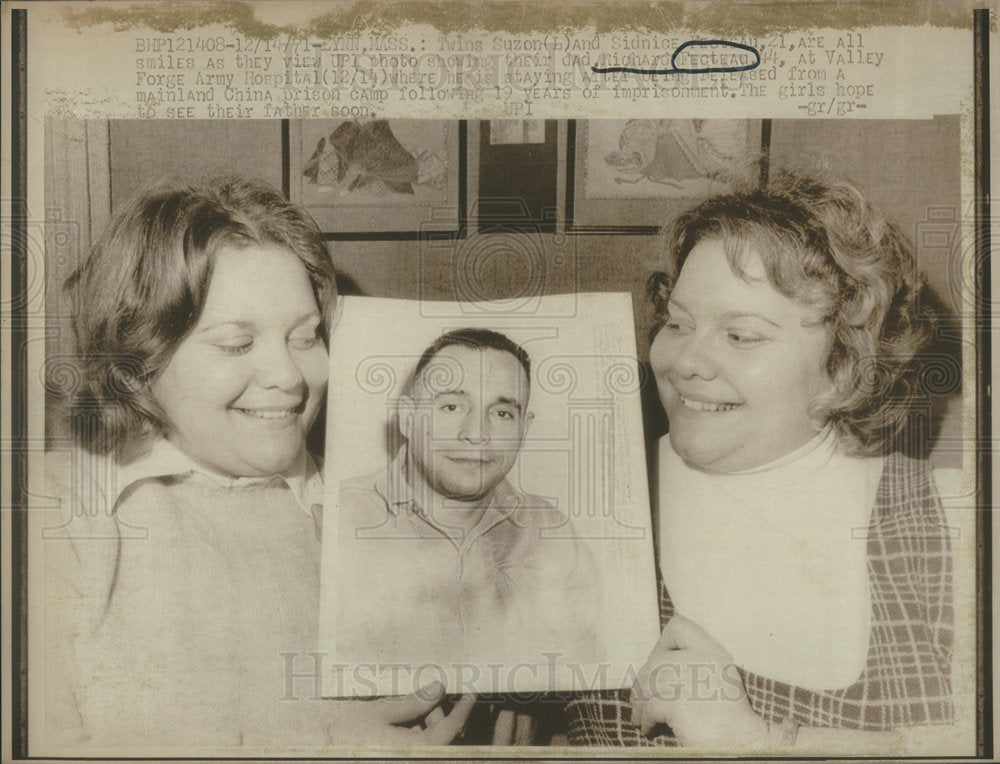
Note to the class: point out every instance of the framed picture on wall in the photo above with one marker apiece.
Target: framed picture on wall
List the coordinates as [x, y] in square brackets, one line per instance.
[379, 179]
[628, 175]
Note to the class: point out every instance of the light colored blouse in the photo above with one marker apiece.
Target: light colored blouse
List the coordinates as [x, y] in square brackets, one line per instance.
[772, 561]
[179, 603]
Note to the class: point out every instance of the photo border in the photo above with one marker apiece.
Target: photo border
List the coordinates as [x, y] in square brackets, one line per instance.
[18, 387]
[18, 445]
[984, 372]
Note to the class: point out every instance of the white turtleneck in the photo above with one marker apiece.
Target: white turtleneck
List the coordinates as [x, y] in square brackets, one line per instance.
[772, 561]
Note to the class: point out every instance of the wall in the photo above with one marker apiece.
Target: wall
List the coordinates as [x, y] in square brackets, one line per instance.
[909, 167]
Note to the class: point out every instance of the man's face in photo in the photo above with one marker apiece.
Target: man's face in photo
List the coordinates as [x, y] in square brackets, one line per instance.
[467, 417]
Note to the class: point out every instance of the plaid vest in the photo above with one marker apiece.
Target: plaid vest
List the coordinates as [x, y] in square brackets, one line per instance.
[907, 677]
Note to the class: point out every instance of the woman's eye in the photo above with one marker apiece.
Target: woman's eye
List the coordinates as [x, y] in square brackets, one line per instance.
[305, 342]
[236, 347]
[744, 340]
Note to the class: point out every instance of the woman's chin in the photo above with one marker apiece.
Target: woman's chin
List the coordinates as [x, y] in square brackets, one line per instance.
[270, 463]
[712, 457]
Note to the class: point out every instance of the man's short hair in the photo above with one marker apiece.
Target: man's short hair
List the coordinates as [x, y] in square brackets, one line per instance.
[478, 339]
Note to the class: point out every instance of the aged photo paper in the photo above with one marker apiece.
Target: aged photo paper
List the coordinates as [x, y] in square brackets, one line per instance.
[263, 578]
[541, 566]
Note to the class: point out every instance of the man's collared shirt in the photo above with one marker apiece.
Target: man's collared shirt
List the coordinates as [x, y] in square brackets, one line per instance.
[420, 591]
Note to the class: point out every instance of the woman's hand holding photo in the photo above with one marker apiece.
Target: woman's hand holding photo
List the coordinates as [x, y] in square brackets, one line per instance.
[690, 684]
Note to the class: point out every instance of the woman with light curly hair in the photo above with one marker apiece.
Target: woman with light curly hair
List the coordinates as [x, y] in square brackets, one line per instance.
[806, 572]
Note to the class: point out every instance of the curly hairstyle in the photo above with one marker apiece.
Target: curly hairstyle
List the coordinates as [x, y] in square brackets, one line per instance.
[144, 284]
[828, 248]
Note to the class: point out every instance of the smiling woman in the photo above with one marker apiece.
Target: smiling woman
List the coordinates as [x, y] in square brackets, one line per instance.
[805, 561]
[737, 363]
[242, 389]
[187, 571]
[143, 293]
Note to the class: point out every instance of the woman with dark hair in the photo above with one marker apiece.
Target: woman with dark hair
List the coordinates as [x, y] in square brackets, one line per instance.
[806, 571]
[182, 593]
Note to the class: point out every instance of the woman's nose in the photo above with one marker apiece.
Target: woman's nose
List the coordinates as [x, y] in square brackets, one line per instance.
[694, 358]
[278, 368]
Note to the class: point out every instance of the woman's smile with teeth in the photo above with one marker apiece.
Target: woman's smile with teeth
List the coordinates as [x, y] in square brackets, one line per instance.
[267, 413]
[706, 405]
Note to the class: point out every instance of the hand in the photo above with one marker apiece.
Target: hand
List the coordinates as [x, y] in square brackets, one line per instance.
[394, 720]
[691, 684]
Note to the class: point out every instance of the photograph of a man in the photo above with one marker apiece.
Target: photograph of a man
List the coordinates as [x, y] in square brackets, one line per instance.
[485, 496]
[450, 554]
[464, 417]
